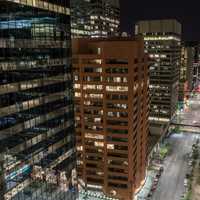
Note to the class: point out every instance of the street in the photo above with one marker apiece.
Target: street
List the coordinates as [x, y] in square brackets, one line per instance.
[190, 115]
[171, 183]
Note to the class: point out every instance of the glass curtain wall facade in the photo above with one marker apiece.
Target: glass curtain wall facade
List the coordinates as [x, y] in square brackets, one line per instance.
[163, 44]
[95, 18]
[37, 153]
[80, 18]
[104, 18]
[186, 73]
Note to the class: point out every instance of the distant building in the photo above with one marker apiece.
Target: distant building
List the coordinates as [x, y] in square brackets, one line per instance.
[186, 71]
[196, 77]
[112, 108]
[37, 136]
[163, 44]
[95, 18]
[80, 18]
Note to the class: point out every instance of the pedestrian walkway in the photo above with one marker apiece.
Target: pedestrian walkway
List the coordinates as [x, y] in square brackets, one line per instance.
[143, 193]
[89, 195]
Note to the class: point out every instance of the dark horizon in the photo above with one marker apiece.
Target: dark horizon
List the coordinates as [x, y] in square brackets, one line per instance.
[187, 14]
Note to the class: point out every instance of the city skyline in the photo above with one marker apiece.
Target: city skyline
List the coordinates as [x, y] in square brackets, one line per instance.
[99, 101]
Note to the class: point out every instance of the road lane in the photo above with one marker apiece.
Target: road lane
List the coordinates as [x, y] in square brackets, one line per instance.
[171, 183]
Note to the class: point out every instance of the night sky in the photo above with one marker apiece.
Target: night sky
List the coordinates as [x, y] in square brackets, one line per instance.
[186, 12]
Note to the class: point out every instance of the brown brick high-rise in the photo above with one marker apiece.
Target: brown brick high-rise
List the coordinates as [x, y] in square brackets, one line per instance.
[112, 98]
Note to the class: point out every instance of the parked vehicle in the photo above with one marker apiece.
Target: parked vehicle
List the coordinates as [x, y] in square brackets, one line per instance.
[185, 182]
[161, 169]
[182, 197]
[158, 175]
[190, 163]
[149, 195]
[153, 188]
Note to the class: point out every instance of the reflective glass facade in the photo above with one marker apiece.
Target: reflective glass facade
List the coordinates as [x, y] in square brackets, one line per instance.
[163, 44]
[80, 18]
[186, 71]
[95, 18]
[36, 101]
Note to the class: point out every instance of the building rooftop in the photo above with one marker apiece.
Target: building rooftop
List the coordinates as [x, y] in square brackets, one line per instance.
[159, 26]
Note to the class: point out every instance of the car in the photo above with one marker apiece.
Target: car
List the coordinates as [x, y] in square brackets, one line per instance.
[153, 188]
[182, 197]
[189, 156]
[188, 175]
[161, 169]
[158, 175]
[155, 183]
[190, 163]
[156, 180]
[185, 182]
[149, 195]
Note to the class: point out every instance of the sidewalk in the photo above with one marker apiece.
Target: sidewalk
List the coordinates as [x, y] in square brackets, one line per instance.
[143, 193]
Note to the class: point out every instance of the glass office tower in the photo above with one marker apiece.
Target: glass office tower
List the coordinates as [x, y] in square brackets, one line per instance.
[163, 44]
[80, 18]
[95, 18]
[37, 154]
